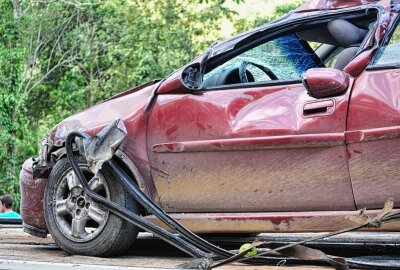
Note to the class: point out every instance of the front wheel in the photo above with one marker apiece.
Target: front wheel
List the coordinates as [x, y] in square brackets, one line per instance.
[78, 224]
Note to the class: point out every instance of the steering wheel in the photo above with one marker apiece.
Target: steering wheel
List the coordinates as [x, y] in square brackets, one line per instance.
[243, 71]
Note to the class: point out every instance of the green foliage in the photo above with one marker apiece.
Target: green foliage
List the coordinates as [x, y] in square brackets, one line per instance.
[13, 125]
[59, 57]
[242, 25]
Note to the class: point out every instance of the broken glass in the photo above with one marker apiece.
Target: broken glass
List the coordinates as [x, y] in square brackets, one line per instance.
[287, 57]
[389, 54]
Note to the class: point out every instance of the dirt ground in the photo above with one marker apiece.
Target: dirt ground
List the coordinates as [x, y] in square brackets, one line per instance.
[15, 245]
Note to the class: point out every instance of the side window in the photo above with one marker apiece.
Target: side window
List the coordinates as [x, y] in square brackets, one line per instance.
[390, 54]
[330, 62]
[283, 58]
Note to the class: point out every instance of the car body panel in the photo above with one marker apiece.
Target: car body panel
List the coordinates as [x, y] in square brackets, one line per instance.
[289, 222]
[254, 145]
[374, 138]
[129, 106]
[32, 197]
[131, 109]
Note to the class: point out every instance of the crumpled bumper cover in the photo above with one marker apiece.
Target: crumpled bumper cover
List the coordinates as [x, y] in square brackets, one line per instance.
[32, 195]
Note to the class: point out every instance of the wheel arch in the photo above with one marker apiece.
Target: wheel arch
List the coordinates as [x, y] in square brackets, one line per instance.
[123, 160]
[129, 167]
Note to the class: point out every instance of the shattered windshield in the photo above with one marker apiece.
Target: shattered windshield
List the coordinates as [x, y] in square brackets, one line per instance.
[287, 57]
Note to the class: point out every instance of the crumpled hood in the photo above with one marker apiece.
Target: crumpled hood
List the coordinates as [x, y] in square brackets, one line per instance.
[126, 106]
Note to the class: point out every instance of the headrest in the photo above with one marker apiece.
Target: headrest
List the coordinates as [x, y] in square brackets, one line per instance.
[345, 33]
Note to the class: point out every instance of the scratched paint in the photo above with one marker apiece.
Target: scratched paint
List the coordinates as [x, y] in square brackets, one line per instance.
[201, 143]
[374, 144]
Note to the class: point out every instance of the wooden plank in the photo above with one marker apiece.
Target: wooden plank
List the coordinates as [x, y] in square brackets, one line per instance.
[18, 249]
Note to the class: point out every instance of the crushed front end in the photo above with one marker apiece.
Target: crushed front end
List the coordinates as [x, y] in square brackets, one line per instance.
[33, 179]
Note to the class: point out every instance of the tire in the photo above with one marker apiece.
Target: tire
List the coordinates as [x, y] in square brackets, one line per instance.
[80, 226]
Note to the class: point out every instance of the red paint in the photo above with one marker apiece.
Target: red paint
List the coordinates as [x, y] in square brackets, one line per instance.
[133, 90]
[374, 137]
[32, 193]
[355, 67]
[372, 134]
[173, 84]
[325, 82]
[257, 143]
[131, 109]
[246, 151]
[333, 4]
[252, 132]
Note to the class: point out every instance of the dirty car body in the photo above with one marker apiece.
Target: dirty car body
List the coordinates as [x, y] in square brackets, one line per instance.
[289, 127]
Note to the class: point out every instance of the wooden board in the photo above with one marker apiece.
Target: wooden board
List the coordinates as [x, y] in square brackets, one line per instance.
[18, 249]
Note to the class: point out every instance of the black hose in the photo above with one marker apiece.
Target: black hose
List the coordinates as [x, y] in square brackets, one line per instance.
[189, 236]
[190, 243]
[126, 214]
[164, 217]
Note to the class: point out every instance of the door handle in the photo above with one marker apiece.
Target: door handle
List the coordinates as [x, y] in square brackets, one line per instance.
[323, 107]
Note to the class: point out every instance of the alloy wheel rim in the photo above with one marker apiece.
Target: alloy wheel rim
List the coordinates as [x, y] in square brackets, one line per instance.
[78, 217]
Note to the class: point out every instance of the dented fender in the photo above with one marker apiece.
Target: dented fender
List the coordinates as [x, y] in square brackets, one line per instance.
[130, 108]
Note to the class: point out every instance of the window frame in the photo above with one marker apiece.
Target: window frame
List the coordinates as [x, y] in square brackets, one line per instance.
[304, 43]
[385, 42]
[281, 30]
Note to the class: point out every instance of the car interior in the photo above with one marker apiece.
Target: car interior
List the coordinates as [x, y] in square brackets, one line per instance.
[333, 43]
[340, 40]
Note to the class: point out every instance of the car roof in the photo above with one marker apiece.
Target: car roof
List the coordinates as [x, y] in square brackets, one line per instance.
[335, 4]
[311, 6]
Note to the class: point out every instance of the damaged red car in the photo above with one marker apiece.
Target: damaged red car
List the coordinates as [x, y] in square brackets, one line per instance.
[289, 127]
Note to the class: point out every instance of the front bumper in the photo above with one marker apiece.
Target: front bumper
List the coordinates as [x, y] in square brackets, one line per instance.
[32, 195]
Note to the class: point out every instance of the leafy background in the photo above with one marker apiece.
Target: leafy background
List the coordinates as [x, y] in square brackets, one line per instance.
[58, 57]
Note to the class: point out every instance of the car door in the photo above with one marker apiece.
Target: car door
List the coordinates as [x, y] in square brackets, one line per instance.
[373, 135]
[251, 147]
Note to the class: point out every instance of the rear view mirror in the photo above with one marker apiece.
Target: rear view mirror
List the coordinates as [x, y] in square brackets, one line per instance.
[191, 77]
[325, 82]
[182, 81]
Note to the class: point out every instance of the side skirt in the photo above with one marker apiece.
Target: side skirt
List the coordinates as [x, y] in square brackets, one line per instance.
[270, 222]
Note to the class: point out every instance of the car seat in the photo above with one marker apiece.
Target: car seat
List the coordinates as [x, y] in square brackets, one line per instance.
[348, 36]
